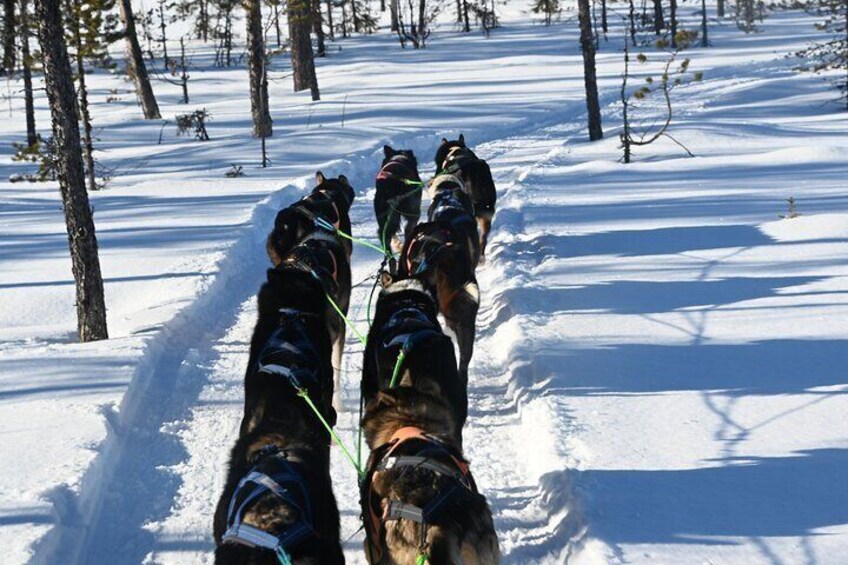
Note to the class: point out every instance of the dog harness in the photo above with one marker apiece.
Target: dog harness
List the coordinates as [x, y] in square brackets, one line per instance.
[411, 447]
[275, 474]
[313, 256]
[320, 206]
[289, 353]
[404, 329]
[399, 166]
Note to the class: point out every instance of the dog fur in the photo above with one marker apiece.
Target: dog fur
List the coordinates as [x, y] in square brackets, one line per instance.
[276, 416]
[429, 366]
[468, 535]
[395, 199]
[331, 199]
[450, 270]
[477, 177]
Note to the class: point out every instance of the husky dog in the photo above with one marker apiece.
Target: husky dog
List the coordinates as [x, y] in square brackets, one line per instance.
[443, 252]
[398, 195]
[419, 500]
[278, 500]
[453, 157]
[406, 347]
[326, 208]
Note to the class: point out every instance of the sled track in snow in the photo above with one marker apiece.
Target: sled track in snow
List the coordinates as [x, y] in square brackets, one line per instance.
[132, 482]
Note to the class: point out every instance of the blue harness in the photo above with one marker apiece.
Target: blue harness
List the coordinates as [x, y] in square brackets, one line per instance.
[290, 353]
[273, 474]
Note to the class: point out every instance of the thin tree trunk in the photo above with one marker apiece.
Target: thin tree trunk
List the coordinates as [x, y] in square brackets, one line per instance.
[330, 30]
[393, 6]
[672, 14]
[659, 21]
[183, 71]
[318, 28]
[704, 38]
[256, 69]
[587, 45]
[277, 25]
[720, 8]
[90, 304]
[162, 28]
[632, 17]
[88, 143]
[135, 64]
[303, 62]
[422, 21]
[26, 63]
[9, 27]
[604, 23]
[466, 27]
[354, 16]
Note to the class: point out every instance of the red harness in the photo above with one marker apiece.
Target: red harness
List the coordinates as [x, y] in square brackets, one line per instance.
[383, 459]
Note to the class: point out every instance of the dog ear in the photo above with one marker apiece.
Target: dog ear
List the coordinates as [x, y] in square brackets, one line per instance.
[444, 140]
[388, 151]
[385, 399]
[343, 180]
[461, 140]
[320, 178]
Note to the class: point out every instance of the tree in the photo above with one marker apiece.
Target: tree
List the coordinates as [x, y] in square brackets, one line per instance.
[318, 27]
[549, 9]
[199, 9]
[587, 45]
[831, 54]
[256, 70]
[704, 38]
[9, 26]
[669, 79]
[76, 15]
[303, 61]
[659, 22]
[90, 304]
[26, 63]
[135, 64]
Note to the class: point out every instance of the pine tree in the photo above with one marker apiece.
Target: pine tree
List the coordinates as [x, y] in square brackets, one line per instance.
[135, 64]
[587, 46]
[256, 70]
[26, 64]
[303, 62]
[90, 304]
[9, 26]
[549, 9]
[830, 54]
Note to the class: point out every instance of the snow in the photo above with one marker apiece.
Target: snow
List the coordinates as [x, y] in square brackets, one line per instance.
[659, 371]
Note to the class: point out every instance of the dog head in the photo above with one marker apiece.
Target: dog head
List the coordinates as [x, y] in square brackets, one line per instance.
[289, 228]
[389, 153]
[481, 186]
[338, 189]
[444, 149]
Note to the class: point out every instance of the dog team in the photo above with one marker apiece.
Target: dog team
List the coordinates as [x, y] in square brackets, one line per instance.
[418, 498]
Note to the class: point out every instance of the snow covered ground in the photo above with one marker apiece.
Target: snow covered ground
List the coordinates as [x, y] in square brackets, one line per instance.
[659, 375]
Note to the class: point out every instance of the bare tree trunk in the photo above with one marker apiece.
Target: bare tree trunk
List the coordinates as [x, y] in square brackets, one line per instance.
[183, 71]
[88, 142]
[91, 307]
[604, 22]
[466, 27]
[587, 45]
[672, 14]
[135, 64]
[162, 29]
[393, 6]
[632, 18]
[704, 39]
[659, 21]
[422, 21]
[318, 27]
[303, 62]
[26, 63]
[9, 27]
[330, 29]
[256, 69]
[720, 8]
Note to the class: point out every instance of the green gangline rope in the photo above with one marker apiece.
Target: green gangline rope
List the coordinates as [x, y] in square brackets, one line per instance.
[305, 395]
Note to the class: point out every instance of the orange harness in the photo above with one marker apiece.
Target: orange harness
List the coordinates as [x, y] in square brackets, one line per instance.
[384, 459]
